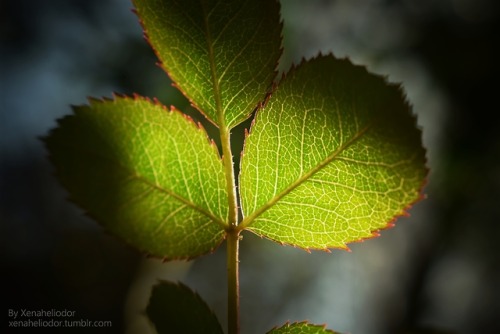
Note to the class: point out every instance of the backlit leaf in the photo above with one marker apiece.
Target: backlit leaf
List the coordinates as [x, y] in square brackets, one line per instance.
[149, 175]
[174, 308]
[301, 328]
[221, 54]
[333, 157]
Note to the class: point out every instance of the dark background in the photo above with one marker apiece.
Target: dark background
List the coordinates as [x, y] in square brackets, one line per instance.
[436, 272]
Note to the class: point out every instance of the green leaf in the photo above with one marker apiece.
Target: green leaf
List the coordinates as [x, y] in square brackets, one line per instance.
[147, 174]
[301, 328]
[174, 308]
[221, 54]
[333, 157]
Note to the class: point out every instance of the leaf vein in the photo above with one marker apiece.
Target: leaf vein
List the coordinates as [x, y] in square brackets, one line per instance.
[249, 219]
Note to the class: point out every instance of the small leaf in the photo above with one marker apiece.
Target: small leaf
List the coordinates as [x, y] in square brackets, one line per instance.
[174, 308]
[221, 54]
[334, 156]
[301, 328]
[147, 174]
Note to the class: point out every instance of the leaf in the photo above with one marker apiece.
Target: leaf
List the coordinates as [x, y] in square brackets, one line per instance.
[300, 328]
[221, 54]
[174, 308]
[334, 156]
[147, 174]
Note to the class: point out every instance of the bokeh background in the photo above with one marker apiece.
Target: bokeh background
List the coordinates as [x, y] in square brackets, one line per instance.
[437, 271]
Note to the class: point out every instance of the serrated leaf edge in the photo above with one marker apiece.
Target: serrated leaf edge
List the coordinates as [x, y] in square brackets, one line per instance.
[135, 97]
[246, 223]
[161, 65]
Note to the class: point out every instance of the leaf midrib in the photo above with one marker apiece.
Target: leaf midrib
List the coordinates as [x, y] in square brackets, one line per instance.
[134, 175]
[224, 130]
[213, 70]
[247, 221]
[181, 199]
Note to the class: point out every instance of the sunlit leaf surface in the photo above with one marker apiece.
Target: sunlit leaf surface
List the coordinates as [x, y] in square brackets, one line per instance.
[149, 175]
[221, 54]
[334, 156]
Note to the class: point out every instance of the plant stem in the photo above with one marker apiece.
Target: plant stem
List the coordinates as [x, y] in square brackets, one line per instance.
[233, 284]
[227, 157]
[233, 237]
[233, 233]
